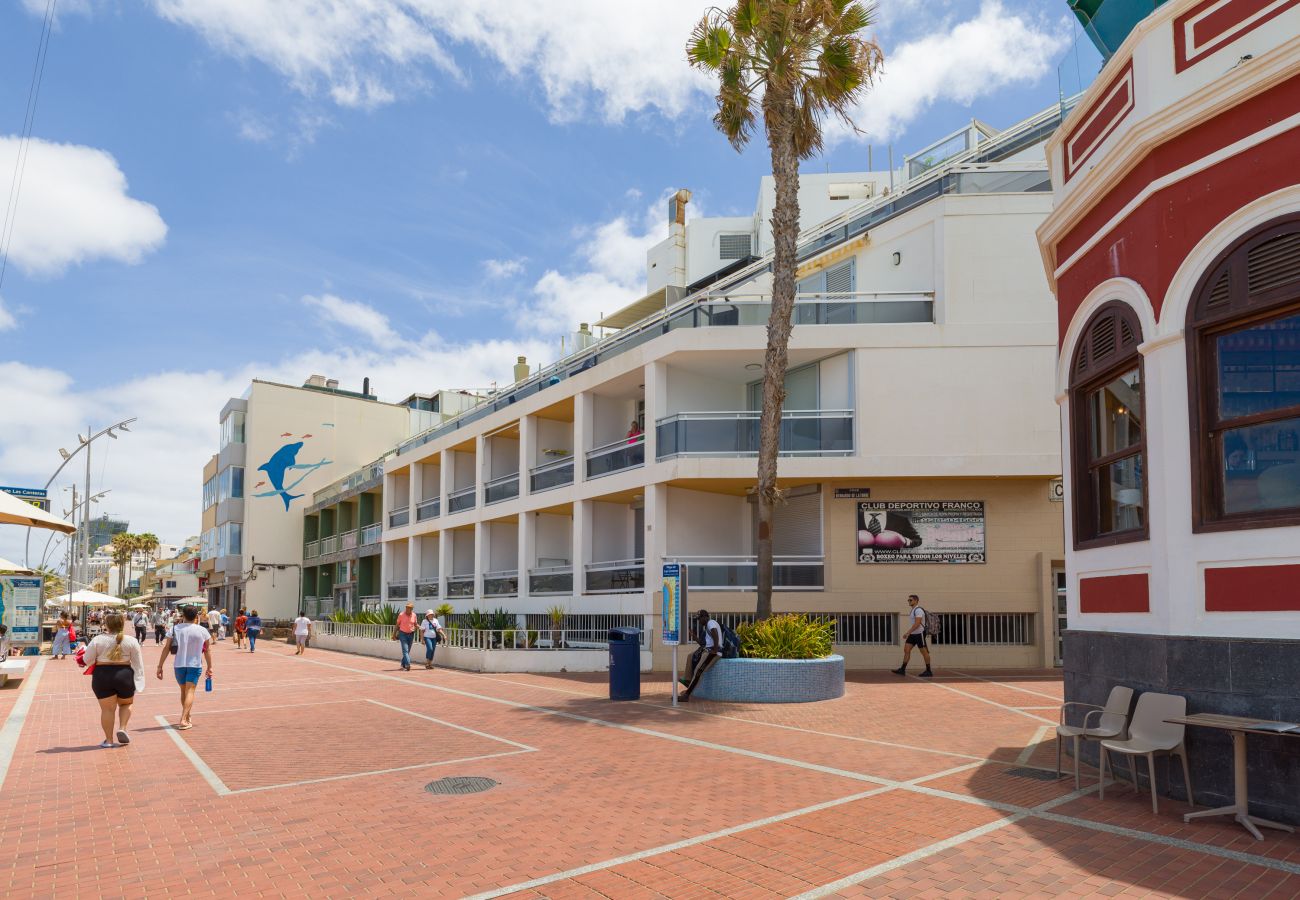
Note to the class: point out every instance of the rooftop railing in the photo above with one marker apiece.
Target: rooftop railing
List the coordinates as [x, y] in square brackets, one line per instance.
[369, 472]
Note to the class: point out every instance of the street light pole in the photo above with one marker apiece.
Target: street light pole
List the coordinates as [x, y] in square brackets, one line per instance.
[67, 458]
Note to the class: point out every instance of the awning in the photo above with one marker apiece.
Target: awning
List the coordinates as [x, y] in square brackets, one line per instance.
[12, 568]
[656, 301]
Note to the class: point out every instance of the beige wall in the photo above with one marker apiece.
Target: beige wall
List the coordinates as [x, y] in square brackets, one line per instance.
[1023, 538]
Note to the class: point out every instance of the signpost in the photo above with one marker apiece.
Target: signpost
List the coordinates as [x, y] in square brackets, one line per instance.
[37, 497]
[20, 609]
[673, 594]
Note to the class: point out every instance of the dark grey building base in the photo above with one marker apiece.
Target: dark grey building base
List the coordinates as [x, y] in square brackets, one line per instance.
[1233, 676]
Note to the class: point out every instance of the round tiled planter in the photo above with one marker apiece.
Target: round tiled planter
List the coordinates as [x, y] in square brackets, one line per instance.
[773, 680]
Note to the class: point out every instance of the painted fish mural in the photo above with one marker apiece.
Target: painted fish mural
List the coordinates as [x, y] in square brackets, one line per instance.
[280, 467]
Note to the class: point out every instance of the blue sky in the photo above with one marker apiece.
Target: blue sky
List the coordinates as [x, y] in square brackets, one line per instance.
[411, 189]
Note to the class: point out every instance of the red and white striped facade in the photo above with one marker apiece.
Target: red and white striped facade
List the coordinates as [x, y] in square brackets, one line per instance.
[1187, 141]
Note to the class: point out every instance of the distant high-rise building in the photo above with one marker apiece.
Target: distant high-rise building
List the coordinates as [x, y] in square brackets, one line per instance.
[103, 529]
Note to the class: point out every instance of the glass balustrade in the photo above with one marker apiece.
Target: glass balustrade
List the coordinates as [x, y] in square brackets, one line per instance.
[460, 586]
[626, 453]
[371, 534]
[426, 587]
[619, 576]
[551, 475]
[397, 590]
[428, 509]
[501, 584]
[818, 432]
[461, 500]
[504, 488]
[740, 573]
[550, 580]
[399, 517]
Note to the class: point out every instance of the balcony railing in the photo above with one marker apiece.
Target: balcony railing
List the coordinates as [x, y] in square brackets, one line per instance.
[619, 576]
[399, 517]
[551, 475]
[460, 586]
[428, 509]
[311, 550]
[815, 432]
[504, 488]
[740, 573]
[329, 545]
[348, 540]
[426, 587]
[371, 534]
[369, 472]
[461, 500]
[625, 453]
[550, 580]
[397, 590]
[501, 584]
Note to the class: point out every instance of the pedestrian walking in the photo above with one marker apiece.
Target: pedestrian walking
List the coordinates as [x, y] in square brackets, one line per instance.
[159, 626]
[61, 647]
[241, 628]
[404, 633]
[254, 628]
[225, 625]
[117, 673]
[431, 631]
[193, 648]
[915, 637]
[301, 632]
[141, 623]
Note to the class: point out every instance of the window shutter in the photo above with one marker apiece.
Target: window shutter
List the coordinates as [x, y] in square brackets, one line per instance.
[839, 279]
[813, 284]
[1274, 263]
[1221, 294]
[797, 529]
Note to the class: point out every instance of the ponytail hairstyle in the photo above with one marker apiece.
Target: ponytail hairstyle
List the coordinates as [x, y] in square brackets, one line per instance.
[113, 622]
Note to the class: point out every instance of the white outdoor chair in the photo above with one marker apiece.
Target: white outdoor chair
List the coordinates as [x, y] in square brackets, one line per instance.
[1150, 734]
[1100, 723]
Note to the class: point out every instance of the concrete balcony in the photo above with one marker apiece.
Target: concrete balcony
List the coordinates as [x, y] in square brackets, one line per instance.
[619, 576]
[816, 432]
[625, 453]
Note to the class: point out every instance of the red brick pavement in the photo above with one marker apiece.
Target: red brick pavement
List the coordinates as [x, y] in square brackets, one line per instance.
[328, 756]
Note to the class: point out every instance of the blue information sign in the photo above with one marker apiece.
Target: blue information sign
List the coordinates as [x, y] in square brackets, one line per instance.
[35, 496]
[674, 601]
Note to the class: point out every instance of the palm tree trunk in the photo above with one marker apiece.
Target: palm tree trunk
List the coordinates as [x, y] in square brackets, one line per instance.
[785, 233]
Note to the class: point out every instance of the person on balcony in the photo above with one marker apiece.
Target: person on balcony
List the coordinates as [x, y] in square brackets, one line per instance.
[634, 432]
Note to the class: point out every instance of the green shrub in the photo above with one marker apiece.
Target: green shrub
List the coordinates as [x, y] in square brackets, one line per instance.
[532, 638]
[787, 636]
[444, 611]
[475, 620]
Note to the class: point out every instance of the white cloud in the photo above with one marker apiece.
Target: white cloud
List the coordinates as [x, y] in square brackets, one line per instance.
[503, 268]
[958, 63]
[155, 470]
[359, 317]
[74, 208]
[7, 320]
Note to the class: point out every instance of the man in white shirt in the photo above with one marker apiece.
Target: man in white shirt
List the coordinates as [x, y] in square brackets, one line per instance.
[915, 637]
[193, 647]
[214, 621]
[431, 631]
[711, 640]
[301, 632]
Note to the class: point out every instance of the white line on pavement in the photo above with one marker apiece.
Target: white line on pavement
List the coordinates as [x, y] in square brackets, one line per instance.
[1033, 744]
[429, 765]
[204, 769]
[1020, 712]
[1010, 687]
[13, 726]
[482, 734]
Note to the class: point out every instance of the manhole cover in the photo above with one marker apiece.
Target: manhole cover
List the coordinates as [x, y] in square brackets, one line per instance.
[1036, 774]
[459, 784]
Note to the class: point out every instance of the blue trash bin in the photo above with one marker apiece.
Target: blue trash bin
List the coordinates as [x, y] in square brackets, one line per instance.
[625, 664]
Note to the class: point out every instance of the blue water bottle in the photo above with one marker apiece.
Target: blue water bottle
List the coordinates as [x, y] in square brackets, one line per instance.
[207, 684]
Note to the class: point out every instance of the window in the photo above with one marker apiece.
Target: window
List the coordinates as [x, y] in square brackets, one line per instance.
[1244, 368]
[836, 279]
[232, 429]
[210, 492]
[230, 484]
[1107, 434]
[734, 246]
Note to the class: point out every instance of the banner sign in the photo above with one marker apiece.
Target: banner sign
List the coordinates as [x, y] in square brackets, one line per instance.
[674, 583]
[920, 532]
[35, 496]
[20, 608]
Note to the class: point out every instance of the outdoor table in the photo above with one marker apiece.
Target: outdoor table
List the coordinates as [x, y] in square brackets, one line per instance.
[1239, 727]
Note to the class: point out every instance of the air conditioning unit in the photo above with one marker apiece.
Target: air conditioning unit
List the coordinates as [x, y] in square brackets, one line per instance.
[852, 190]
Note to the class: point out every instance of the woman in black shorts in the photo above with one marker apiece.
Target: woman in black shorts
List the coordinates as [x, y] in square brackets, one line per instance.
[118, 674]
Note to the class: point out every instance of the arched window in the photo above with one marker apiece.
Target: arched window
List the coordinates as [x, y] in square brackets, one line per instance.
[1108, 437]
[1243, 347]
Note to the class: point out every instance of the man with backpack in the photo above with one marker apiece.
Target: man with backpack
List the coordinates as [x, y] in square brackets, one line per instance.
[713, 645]
[915, 637]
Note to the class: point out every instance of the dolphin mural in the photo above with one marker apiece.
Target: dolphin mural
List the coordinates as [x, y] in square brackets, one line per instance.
[277, 469]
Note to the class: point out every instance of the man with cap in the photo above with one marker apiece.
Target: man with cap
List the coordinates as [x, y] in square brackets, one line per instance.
[431, 631]
[404, 633]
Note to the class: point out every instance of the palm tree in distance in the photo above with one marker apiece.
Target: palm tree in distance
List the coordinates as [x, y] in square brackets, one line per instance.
[124, 547]
[796, 62]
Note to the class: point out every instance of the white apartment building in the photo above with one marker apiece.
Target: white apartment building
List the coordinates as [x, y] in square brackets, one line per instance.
[920, 402]
[279, 443]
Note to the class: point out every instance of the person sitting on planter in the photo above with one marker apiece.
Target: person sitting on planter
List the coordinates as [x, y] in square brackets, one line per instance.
[711, 637]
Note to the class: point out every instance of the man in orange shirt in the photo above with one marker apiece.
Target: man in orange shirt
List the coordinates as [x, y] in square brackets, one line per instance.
[404, 633]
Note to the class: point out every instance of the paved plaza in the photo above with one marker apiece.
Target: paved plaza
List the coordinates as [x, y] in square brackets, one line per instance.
[306, 777]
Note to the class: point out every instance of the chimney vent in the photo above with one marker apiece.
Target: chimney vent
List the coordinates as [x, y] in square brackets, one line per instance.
[315, 381]
[332, 384]
[521, 368]
[365, 386]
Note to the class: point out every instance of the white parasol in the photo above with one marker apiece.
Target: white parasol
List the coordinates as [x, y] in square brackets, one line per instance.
[18, 512]
[13, 568]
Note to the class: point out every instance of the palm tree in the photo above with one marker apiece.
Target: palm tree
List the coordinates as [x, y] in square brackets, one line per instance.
[125, 546]
[797, 62]
[148, 544]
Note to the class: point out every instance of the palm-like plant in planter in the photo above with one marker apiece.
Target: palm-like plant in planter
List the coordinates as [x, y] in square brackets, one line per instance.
[557, 614]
